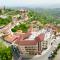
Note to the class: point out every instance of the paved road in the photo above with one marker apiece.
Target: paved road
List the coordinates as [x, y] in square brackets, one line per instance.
[57, 56]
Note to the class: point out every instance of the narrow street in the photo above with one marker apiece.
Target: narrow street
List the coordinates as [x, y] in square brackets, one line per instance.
[57, 57]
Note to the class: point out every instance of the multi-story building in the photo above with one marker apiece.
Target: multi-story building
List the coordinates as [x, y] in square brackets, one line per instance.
[23, 13]
[30, 47]
[32, 43]
[36, 25]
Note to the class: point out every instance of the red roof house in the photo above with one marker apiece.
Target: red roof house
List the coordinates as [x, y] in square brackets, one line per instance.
[39, 38]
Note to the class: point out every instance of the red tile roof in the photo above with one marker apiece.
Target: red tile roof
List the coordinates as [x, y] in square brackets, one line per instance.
[26, 42]
[17, 37]
[31, 42]
[10, 38]
[40, 37]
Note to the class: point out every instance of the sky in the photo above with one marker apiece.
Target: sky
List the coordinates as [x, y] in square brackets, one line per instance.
[30, 3]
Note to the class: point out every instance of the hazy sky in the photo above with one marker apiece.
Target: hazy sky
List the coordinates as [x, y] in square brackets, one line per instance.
[29, 3]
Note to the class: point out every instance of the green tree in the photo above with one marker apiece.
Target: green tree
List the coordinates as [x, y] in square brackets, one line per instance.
[5, 52]
[5, 21]
[22, 26]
